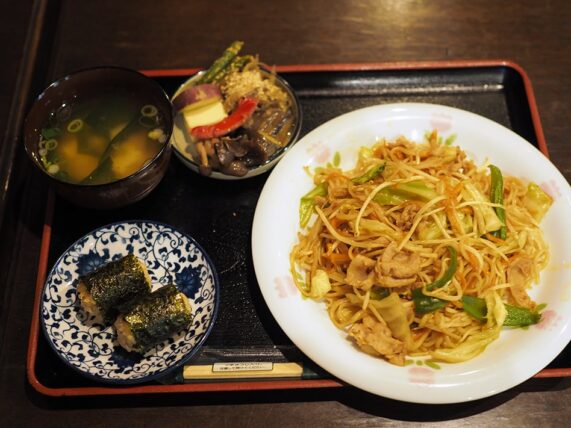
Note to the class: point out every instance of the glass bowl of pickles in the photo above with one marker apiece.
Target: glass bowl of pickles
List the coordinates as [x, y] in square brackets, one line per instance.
[101, 136]
[235, 119]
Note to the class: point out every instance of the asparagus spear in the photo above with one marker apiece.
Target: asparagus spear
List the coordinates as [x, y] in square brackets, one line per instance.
[221, 63]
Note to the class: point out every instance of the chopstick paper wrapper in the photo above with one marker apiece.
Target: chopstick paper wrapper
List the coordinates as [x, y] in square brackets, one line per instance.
[247, 370]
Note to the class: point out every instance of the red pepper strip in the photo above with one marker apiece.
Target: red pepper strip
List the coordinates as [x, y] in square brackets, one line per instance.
[241, 113]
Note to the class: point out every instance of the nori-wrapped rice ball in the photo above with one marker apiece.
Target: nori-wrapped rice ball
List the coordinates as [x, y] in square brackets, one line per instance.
[114, 287]
[153, 319]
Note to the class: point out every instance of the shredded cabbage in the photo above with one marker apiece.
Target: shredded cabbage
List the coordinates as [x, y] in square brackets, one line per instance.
[537, 201]
[485, 215]
[476, 344]
[394, 313]
[320, 284]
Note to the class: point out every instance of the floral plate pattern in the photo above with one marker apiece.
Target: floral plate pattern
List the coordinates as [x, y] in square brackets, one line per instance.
[91, 348]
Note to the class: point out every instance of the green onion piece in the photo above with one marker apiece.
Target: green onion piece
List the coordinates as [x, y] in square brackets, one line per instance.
[149, 110]
[370, 174]
[51, 144]
[497, 197]
[308, 201]
[75, 125]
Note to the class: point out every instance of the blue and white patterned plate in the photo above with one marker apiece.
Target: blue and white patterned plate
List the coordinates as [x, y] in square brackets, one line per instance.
[91, 348]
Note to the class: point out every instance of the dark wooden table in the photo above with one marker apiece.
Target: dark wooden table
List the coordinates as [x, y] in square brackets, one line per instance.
[43, 40]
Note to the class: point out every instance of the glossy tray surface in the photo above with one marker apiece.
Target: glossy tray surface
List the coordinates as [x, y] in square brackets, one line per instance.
[219, 214]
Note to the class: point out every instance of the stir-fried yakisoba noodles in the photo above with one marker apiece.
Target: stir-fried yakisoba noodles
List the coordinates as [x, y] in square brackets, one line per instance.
[418, 251]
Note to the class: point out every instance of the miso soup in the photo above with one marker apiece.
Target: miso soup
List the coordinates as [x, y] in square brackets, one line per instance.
[101, 140]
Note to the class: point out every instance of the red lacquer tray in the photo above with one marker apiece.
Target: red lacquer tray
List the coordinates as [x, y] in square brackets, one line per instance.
[499, 90]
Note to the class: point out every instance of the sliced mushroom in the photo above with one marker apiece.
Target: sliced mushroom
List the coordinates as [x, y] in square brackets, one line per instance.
[236, 146]
[236, 168]
[225, 156]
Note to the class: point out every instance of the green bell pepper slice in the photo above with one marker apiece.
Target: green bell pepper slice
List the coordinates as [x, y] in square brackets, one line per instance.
[424, 304]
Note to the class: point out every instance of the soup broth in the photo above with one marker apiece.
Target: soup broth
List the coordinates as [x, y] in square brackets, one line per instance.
[101, 140]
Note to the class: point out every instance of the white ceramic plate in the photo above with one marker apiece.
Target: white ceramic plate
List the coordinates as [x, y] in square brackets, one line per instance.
[515, 357]
[91, 348]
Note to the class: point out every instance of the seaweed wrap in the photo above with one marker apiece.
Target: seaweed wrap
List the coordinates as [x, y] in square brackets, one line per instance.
[113, 288]
[153, 319]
